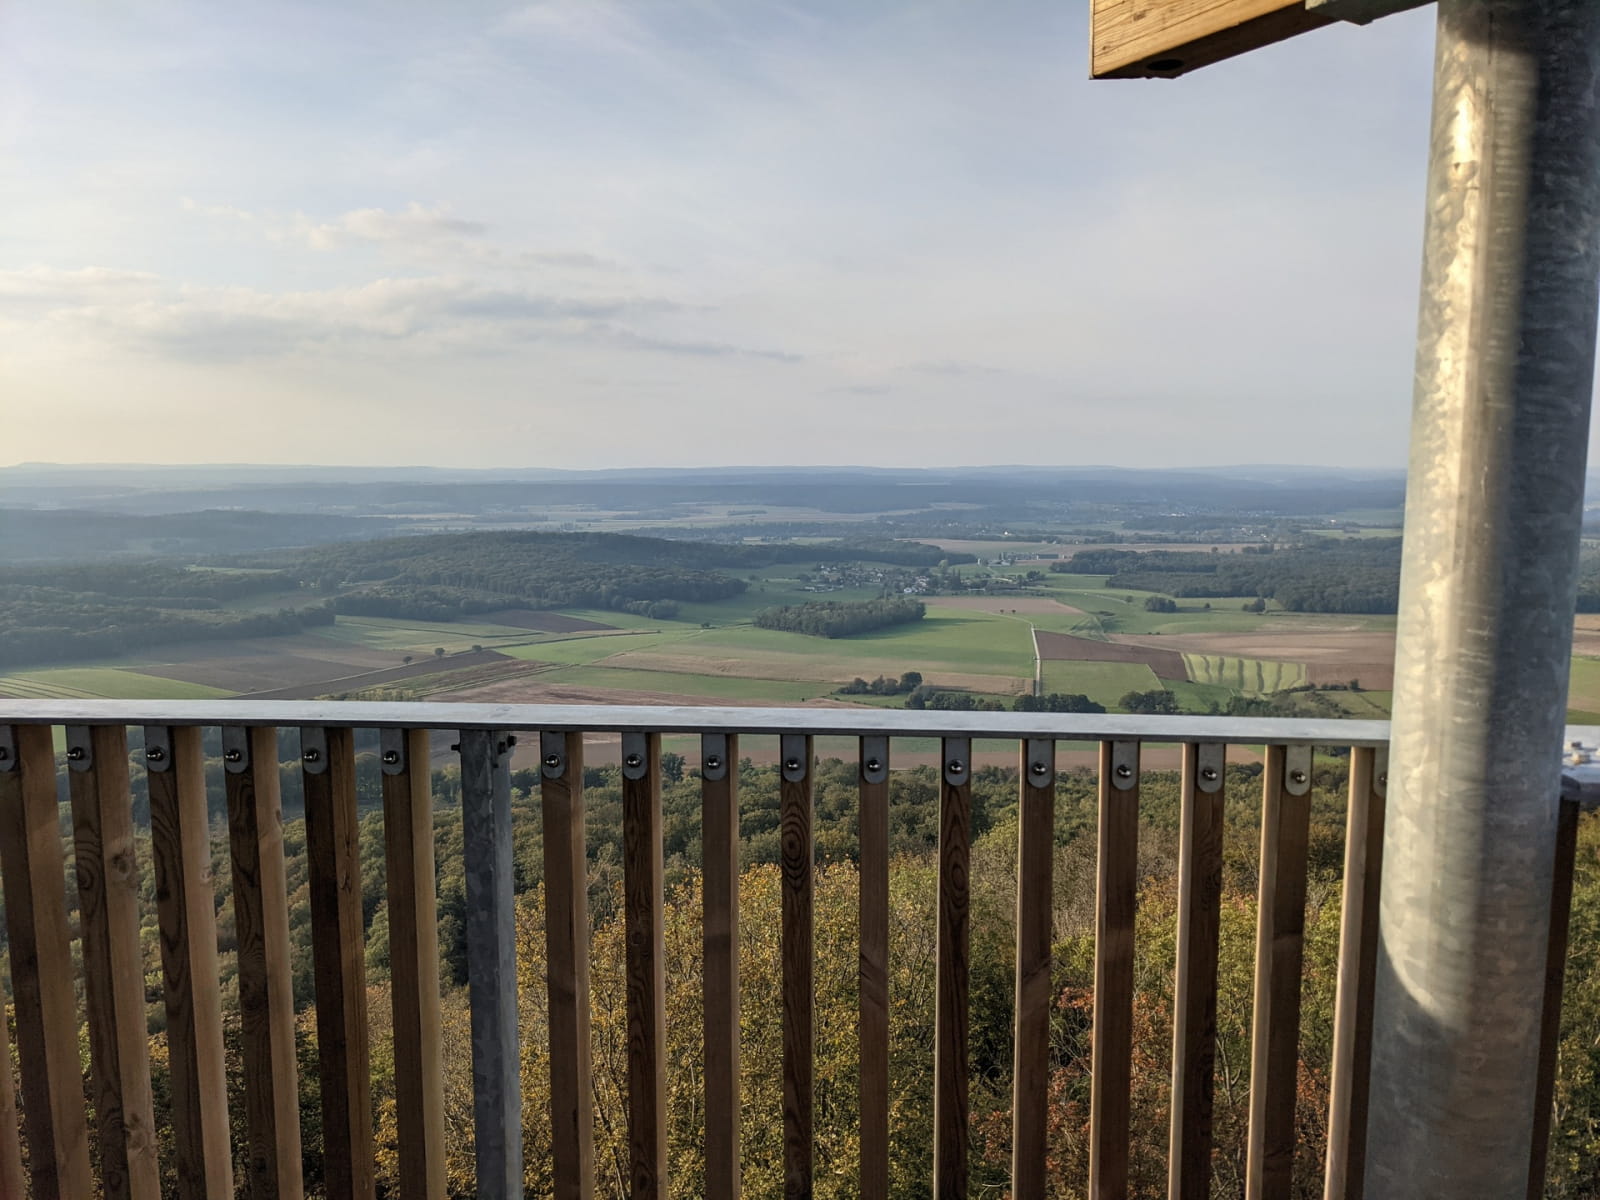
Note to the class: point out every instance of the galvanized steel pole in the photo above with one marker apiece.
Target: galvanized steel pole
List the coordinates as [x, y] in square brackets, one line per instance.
[1505, 370]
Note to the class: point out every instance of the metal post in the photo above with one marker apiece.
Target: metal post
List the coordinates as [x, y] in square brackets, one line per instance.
[1505, 368]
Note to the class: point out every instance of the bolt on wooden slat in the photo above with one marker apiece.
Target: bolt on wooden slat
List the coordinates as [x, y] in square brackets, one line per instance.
[874, 967]
[1116, 895]
[719, 823]
[1036, 786]
[795, 755]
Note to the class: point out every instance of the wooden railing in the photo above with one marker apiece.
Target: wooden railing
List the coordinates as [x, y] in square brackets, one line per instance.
[45, 976]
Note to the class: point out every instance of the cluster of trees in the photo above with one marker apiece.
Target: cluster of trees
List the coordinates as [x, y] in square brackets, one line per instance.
[1057, 702]
[883, 685]
[1156, 702]
[943, 700]
[841, 618]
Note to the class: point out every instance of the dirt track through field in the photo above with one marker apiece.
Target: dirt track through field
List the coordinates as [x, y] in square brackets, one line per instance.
[1062, 647]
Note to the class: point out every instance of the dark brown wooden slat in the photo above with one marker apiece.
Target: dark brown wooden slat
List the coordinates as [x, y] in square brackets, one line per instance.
[950, 1005]
[796, 948]
[338, 950]
[1358, 966]
[113, 966]
[33, 871]
[186, 912]
[414, 962]
[1194, 1005]
[12, 1182]
[874, 967]
[1116, 897]
[266, 985]
[1280, 937]
[1035, 895]
[719, 823]
[567, 952]
[646, 958]
[1555, 972]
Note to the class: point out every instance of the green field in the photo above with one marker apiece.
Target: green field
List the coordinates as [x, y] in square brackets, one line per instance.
[719, 687]
[1248, 675]
[401, 635]
[1104, 682]
[79, 683]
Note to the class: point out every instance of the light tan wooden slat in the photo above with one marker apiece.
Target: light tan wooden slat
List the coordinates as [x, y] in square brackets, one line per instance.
[414, 962]
[1115, 900]
[1131, 39]
[1358, 968]
[338, 951]
[11, 1172]
[874, 967]
[266, 985]
[180, 839]
[646, 964]
[567, 952]
[113, 966]
[1555, 972]
[1194, 1003]
[1035, 895]
[796, 946]
[33, 872]
[719, 823]
[951, 1015]
[1280, 936]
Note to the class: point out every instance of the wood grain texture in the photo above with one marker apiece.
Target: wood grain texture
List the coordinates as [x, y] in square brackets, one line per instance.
[719, 824]
[1194, 1026]
[1112, 1038]
[12, 1179]
[1555, 971]
[266, 981]
[180, 839]
[1034, 990]
[873, 820]
[1280, 937]
[113, 965]
[414, 964]
[33, 872]
[567, 977]
[796, 949]
[338, 950]
[1133, 39]
[950, 1015]
[646, 973]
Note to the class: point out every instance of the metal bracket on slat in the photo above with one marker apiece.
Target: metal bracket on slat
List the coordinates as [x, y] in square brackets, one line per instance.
[1210, 760]
[874, 759]
[793, 757]
[392, 756]
[1380, 772]
[1297, 770]
[714, 756]
[80, 748]
[1124, 766]
[8, 748]
[158, 749]
[957, 761]
[1041, 755]
[635, 755]
[235, 748]
[314, 749]
[552, 754]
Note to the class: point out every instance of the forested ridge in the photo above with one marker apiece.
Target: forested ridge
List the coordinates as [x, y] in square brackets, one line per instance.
[841, 618]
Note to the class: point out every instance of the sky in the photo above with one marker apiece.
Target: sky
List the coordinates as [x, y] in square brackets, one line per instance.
[590, 233]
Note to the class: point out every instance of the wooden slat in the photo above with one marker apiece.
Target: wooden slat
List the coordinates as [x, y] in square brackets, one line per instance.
[874, 967]
[33, 872]
[414, 962]
[1035, 903]
[492, 962]
[338, 951]
[180, 837]
[12, 1181]
[796, 947]
[266, 982]
[113, 966]
[719, 824]
[1116, 896]
[1194, 1002]
[1555, 971]
[1133, 39]
[567, 953]
[1280, 936]
[646, 958]
[1344, 1178]
[953, 960]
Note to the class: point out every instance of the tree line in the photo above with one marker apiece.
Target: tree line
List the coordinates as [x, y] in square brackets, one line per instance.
[841, 618]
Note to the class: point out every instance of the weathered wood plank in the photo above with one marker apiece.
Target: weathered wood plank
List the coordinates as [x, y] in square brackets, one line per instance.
[180, 839]
[1035, 896]
[567, 953]
[266, 981]
[414, 962]
[1164, 38]
[1555, 972]
[12, 1180]
[874, 967]
[113, 966]
[796, 948]
[950, 1020]
[1280, 937]
[33, 872]
[1116, 897]
[338, 951]
[646, 959]
[1194, 1005]
[719, 824]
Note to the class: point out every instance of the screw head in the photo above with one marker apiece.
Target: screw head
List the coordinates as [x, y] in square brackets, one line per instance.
[1383, 780]
[713, 762]
[155, 754]
[1040, 769]
[1124, 771]
[391, 757]
[312, 755]
[553, 761]
[956, 767]
[1209, 774]
[77, 754]
[791, 764]
[1297, 777]
[233, 756]
[632, 761]
[873, 764]
[4, 754]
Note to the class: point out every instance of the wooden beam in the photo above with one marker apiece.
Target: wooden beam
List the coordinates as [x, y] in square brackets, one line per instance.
[1162, 39]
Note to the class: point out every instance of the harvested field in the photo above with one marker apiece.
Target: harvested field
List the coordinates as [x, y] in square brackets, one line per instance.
[476, 662]
[257, 664]
[1022, 605]
[1328, 657]
[777, 665]
[543, 622]
[1062, 647]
